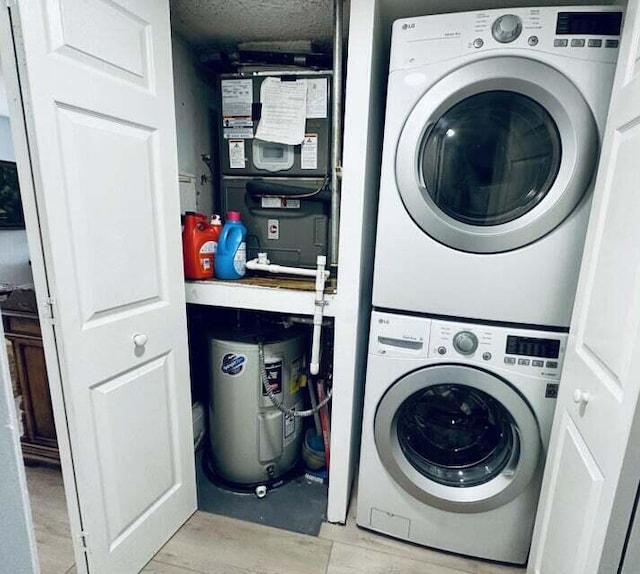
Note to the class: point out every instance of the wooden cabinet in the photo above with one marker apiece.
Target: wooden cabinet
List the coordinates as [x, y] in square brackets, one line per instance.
[22, 331]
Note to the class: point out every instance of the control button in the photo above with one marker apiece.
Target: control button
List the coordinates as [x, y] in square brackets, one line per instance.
[486, 356]
[611, 44]
[478, 43]
[537, 363]
[442, 350]
[509, 360]
[465, 342]
[560, 43]
[594, 43]
[533, 40]
[525, 362]
[506, 28]
[552, 364]
[577, 43]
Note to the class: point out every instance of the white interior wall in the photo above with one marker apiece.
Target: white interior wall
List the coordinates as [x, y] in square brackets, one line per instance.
[193, 100]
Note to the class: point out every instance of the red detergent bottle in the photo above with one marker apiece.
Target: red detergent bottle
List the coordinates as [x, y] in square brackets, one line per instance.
[198, 246]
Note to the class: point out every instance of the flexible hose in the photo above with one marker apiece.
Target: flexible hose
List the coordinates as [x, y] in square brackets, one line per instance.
[278, 404]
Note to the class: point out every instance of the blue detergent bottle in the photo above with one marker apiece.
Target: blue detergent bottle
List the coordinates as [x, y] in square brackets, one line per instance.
[231, 255]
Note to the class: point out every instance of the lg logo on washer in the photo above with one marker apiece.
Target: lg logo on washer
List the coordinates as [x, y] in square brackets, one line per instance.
[408, 26]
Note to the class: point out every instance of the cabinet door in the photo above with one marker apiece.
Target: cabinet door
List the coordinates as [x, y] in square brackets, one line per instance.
[592, 468]
[97, 86]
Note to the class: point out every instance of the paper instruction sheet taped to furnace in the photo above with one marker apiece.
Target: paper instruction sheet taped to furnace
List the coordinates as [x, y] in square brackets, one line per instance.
[284, 111]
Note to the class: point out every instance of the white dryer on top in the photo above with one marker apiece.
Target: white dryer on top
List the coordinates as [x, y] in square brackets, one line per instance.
[491, 143]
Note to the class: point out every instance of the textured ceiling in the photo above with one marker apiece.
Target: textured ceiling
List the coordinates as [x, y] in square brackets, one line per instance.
[224, 23]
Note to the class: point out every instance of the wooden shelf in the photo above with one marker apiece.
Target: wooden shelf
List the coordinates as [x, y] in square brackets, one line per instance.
[260, 294]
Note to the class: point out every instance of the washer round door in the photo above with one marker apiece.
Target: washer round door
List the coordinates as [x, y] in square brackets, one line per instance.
[496, 154]
[457, 438]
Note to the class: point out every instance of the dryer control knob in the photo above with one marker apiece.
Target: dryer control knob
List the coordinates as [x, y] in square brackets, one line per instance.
[465, 342]
[506, 28]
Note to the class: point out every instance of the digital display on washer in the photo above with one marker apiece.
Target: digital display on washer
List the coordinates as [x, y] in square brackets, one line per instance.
[533, 347]
[589, 23]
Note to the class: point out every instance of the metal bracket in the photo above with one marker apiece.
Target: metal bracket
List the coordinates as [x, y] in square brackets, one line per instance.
[83, 540]
[49, 309]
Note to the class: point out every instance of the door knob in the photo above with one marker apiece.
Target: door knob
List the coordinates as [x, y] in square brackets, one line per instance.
[140, 340]
[581, 397]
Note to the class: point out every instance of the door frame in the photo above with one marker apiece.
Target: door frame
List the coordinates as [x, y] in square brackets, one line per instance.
[46, 307]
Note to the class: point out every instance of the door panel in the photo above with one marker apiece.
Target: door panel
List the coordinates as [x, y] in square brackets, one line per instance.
[99, 114]
[575, 484]
[589, 488]
[119, 46]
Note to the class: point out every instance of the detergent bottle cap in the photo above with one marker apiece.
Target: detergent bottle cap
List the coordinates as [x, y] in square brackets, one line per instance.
[233, 216]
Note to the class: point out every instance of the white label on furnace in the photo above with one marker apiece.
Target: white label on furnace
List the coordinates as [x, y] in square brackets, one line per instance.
[273, 229]
[279, 203]
[309, 152]
[236, 154]
[317, 98]
[237, 97]
[238, 133]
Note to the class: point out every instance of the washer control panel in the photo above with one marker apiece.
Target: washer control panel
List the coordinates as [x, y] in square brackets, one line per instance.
[538, 353]
[535, 353]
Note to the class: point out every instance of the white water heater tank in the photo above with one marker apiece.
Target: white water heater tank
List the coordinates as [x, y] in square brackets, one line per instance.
[252, 442]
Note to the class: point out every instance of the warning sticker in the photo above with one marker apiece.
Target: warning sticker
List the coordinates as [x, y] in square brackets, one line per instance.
[233, 364]
[274, 377]
[236, 154]
[309, 152]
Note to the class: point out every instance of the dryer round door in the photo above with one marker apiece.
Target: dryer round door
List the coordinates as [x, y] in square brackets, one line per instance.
[457, 438]
[496, 154]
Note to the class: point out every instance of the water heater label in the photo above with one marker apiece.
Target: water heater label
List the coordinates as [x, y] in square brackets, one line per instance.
[274, 377]
[232, 364]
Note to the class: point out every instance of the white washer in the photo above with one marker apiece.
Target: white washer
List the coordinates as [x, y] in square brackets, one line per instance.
[457, 418]
[491, 141]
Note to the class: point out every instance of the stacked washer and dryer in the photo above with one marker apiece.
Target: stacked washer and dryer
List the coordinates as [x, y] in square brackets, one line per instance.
[492, 132]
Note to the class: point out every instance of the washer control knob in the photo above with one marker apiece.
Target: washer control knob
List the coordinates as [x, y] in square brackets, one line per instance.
[506, 28]
[465, 342]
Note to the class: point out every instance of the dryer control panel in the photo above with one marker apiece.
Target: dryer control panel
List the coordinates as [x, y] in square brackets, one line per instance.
[589, 33]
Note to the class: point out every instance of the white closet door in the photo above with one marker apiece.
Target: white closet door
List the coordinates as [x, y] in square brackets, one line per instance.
[592, 468]
[97, 85]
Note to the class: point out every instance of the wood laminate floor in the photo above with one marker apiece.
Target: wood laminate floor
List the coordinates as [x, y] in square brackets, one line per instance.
[211, 544]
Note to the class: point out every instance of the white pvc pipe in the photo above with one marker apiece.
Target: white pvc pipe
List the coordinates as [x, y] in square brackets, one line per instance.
[318, 310]
[257, 265]
[262, 263]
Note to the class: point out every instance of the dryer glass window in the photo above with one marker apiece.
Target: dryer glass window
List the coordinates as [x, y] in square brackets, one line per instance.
[457, 435]
[490, 158]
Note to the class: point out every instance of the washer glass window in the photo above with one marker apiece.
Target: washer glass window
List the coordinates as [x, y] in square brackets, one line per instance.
[456, 435]
[490, 158]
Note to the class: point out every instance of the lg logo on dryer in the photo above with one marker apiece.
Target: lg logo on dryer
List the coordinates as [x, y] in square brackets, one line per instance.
[408, 26]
